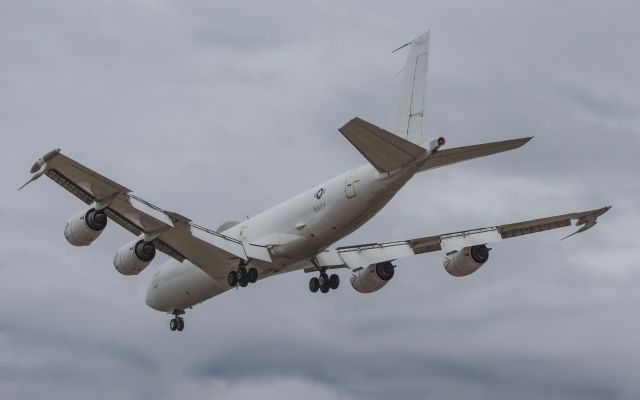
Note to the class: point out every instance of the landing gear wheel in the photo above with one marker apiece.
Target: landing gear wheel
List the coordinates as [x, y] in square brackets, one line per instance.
[232, 278]
[180, 325]
[334, 281]
[243, 283]
[174, 324]
[314, 284]
[323, 280]
[252, 275]
[242, 274]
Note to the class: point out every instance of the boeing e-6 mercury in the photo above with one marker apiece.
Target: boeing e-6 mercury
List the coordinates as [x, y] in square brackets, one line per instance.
[297, 234]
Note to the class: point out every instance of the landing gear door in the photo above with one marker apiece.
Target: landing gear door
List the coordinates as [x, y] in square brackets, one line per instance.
[350, 186]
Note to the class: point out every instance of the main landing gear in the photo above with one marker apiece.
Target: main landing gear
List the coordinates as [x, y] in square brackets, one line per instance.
[324, 282]
[242, 276]
[177, 323]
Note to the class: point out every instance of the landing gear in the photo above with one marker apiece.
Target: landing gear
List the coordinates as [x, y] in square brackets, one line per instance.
[334, 281]
[242, 277]
[252, 275]
[232, 278]
[177, 323]
[324, 282]
[314, 285]
[242, 273]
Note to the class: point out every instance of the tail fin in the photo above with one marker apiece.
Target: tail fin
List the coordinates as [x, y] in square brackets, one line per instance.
[406, 120]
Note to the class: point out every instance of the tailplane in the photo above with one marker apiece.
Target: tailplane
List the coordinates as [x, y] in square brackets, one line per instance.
[384, 150]
[406, 119]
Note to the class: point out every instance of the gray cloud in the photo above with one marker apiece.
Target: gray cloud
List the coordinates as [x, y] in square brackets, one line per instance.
[219, 110]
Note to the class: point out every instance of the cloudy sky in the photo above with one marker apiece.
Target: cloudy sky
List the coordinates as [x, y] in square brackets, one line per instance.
[221, 109]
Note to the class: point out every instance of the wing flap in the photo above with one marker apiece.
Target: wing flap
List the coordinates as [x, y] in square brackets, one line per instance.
[374, 254]
[457, 241]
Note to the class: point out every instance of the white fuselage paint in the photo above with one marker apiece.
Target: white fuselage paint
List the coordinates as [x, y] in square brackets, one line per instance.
[295, 230]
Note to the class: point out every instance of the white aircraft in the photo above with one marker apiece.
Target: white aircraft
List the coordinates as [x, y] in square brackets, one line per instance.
[297, 234]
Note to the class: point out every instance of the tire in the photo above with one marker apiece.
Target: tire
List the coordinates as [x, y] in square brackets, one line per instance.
[323, 279]
[334, 281]
[173, 324]
[324, 288]
[252, 275]
[180, 325]
[243, 283]
[232, 278]
[314, 285]
[242, 273]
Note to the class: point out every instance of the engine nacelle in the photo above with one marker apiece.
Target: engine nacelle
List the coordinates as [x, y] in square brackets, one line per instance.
[132, 258]
[373, 277]
[466, 261]
[85, 227]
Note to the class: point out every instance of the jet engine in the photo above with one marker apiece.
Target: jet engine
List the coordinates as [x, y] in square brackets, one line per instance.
[132, 258]
[466, 261]
[373, 277]
[85, 227]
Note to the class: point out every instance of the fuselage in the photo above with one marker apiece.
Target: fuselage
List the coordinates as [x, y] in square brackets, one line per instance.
[294, 231]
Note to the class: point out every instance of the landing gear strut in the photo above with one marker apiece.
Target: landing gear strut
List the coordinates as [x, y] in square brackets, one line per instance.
[242, 276]
[177, 323]
[324, 282]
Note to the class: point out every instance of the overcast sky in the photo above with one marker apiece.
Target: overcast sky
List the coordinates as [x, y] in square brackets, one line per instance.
[218, 110]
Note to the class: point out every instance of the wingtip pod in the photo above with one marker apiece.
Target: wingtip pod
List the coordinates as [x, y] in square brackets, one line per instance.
[38, 168]
[588, 219]
[43, 160]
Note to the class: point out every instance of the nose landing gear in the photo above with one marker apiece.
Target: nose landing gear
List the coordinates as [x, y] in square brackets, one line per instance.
[177, 323]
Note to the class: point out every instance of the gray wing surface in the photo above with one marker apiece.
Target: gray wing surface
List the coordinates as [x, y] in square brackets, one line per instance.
[171, 233]
[459, 154]
[372, 253]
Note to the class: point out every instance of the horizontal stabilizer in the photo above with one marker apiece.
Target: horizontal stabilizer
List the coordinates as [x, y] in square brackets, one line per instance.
[458, 154]
[384, 150]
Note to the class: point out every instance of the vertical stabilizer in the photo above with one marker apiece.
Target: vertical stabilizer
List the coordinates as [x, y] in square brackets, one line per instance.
[406, 119]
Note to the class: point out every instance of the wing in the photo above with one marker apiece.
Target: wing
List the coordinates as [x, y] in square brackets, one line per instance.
[368, 254]
[458, 154]
[171, 233]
